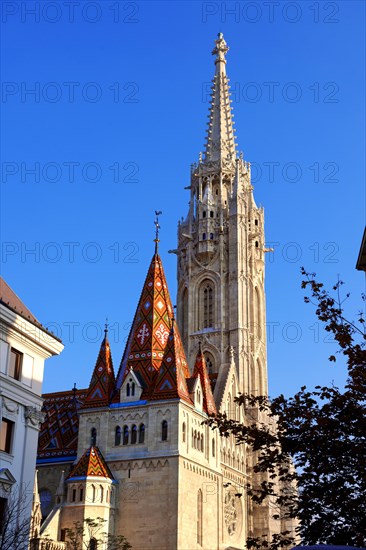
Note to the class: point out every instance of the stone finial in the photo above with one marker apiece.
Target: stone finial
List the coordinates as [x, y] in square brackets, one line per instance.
[221, 49]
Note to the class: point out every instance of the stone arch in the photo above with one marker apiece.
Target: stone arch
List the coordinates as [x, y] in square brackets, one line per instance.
[211, 352]
[258, 314]
[206, 278]
[184, 314]
[206, 305]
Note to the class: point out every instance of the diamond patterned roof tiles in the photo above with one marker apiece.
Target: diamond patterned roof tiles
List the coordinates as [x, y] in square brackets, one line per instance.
[92, 463]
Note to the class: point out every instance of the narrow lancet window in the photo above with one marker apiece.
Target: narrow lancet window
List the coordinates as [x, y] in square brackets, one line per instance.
[164, 430]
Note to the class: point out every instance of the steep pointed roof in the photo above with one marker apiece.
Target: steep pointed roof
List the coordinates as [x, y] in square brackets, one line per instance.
[102, 384]
[92, 463]
[200, 371]
[220, 134]
[150, 329]
[58, 435]
[171, 379]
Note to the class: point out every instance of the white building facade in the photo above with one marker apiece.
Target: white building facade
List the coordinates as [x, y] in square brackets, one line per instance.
[24, 347]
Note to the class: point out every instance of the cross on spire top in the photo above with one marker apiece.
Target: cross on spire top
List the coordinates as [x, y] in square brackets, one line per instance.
[157, 227]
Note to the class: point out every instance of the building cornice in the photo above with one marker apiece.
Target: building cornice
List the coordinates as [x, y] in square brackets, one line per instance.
[17, 326]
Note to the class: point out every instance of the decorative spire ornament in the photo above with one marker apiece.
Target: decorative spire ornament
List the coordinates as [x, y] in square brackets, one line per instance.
[220, 145]
[157, 227]
[221, 49]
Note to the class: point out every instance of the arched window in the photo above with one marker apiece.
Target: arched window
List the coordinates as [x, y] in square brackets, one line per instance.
[195, 439]
[93, 437]
[192, 438]
[125, 435]
[128, 389]
[204, 237]
[101, 493]
[117, 436]
[213, 446]
[81, 493]
[257, 315]
[209, 363]
[185, 313]
[164, 430]
[207, 307]
[134, 434]
[211, 236]
[202, 444]
[46, 501]
[211, 214]
[93, 545]
[204, 214]
[93, 493]
[142, 433]
[133, 389]
[199, 517]
[73, 495]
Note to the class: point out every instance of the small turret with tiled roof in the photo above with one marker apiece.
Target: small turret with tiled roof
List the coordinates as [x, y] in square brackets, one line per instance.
[91, 464]
[102, 384]
[200, 371]
[171, 380]
[148, 340]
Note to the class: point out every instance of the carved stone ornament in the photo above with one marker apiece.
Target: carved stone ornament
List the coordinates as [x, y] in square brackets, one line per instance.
[33, 416]
[231, 513]
[10, 406]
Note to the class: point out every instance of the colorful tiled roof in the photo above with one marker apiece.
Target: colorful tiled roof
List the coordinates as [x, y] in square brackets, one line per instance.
[102, 384]
[171, 379]
[150, 330]
[200, 370]
[58, 435]
[92, 463]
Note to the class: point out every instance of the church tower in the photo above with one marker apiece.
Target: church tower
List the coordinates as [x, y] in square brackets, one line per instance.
[221, 303]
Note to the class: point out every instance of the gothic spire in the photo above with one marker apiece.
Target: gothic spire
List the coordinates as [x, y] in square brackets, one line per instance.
[171, 380]
[102, 383]
[150, 329]
[200, 371]
[220, 134]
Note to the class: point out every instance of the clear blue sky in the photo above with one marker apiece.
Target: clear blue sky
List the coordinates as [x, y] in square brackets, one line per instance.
[121, 87]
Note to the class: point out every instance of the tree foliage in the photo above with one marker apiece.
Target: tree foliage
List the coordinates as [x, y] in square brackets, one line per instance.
[311, 456]
[15, 522]
[79, 537]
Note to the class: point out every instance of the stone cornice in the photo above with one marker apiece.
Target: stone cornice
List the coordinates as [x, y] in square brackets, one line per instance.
[38, 339]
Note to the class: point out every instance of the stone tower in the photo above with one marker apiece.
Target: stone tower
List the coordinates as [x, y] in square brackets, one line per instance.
[221, 301]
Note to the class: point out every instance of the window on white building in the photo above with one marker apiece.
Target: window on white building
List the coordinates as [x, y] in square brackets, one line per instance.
[6, 436]
[15, 364]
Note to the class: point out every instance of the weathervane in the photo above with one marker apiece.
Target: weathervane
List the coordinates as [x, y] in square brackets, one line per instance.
[157, 227]
[106, 326]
